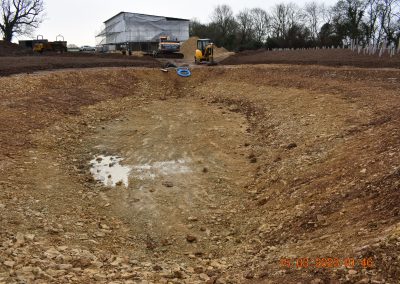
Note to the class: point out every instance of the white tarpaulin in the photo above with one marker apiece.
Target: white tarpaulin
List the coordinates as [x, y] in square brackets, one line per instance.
[132, 27]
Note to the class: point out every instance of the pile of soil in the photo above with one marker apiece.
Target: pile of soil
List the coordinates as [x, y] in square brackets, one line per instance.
[189, 47]
[7, 49]
[325, 57]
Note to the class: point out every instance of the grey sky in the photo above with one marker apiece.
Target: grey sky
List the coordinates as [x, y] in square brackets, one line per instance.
[79, 20]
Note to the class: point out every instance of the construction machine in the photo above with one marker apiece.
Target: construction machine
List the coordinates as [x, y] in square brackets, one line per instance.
[204, 52]
[168, 48]
[55, 46]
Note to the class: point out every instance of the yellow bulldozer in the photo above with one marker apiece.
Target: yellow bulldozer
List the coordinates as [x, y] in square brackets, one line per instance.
[204, 52]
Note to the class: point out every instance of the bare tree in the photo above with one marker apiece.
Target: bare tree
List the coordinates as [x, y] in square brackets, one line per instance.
[371, 21]
[245, 26]
[381, 21]
[284, 17]
[223, 18]
[261, 23]
[326, 13]
[279, 21]
[388, 25]
[19, 17]
[294, 14]
[312, 15]
[223, 26]
[348, 18]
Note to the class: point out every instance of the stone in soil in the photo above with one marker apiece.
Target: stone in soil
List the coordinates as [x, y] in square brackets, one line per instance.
[191, 238]
[168, 184]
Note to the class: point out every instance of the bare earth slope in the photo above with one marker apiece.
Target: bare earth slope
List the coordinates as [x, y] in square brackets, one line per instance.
[324, 57]
[28, 64]
[262, 163]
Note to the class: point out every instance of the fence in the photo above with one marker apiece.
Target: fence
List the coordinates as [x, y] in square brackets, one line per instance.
[379, 49]
[370, 49]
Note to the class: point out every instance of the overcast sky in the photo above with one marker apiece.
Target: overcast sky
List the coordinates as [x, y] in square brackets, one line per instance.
[79, 20]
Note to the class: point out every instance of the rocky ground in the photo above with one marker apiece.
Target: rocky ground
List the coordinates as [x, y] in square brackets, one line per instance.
[275, 164]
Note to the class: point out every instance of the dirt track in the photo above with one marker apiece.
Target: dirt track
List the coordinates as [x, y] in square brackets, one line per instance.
[280, 162]
[28, 64]
[326, 57]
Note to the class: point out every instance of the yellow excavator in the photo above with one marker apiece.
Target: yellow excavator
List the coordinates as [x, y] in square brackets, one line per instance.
[204, 52]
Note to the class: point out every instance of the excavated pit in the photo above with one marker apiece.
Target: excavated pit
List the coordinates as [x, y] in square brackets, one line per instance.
[228, 176]
[171, 153]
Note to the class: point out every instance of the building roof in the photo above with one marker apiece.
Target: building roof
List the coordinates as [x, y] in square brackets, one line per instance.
[167, 18]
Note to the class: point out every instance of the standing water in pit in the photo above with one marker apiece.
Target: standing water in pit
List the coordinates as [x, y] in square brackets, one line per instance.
[109, 171]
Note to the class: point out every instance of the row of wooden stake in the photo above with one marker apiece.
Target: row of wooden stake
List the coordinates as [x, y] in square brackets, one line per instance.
[370, 49]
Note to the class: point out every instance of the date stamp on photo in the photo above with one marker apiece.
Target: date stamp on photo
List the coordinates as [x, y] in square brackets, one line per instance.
[326, 262]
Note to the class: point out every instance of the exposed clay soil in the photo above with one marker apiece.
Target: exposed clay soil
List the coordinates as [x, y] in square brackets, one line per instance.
[28, 64]
[325, 57]
[282, 162]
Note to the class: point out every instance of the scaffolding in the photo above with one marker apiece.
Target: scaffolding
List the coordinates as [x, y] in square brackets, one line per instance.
[140, 32]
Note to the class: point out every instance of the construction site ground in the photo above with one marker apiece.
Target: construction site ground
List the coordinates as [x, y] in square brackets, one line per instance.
[15, 59]
[235, 173]
[325, 57]
[33, 63]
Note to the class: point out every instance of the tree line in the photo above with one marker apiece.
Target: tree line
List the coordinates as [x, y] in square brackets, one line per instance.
[364, 22]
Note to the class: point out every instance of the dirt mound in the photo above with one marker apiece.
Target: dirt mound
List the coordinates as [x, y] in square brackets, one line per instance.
[7, 49]
[326, 57]
[220, 51]
[189, 47]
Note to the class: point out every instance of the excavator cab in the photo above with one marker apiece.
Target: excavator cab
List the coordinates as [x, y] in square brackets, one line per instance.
[168, 46]
[204, 52]
[202, 44]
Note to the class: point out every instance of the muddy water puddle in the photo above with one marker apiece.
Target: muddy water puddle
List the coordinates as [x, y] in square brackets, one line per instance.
[109, 171]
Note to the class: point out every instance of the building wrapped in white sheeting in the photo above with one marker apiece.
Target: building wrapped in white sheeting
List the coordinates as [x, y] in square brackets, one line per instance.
[141, 32]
